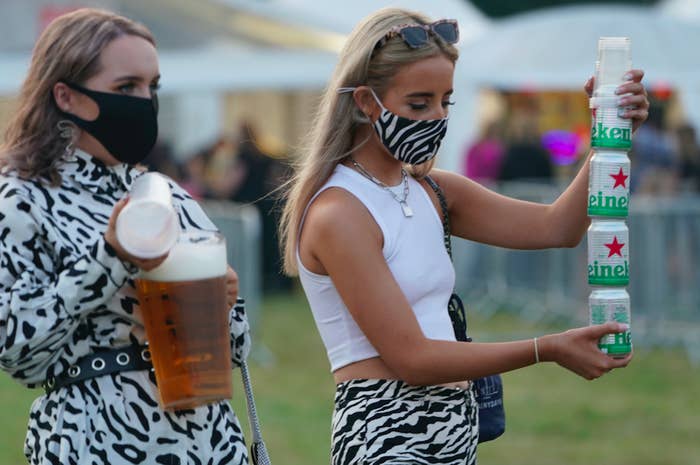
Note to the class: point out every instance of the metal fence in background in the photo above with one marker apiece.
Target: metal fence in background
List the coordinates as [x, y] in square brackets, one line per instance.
[664, 288]
[241, 225]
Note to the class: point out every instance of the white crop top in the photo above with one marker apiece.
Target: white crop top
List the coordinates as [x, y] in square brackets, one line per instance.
[416, 255]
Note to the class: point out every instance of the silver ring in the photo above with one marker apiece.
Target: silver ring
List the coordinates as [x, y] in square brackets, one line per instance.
[123, 358]
[146, 355]
[74, 371]
[98, 364]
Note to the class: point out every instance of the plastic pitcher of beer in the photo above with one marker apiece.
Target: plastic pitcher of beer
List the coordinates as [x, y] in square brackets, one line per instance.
[183, 303]
[148, 227]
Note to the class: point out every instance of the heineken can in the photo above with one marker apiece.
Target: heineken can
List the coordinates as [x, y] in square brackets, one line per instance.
[608, 253]
[612, 305]
[609, 130]
[608, 184]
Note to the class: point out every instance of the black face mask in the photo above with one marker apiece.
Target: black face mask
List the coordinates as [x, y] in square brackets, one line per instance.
[126, 126]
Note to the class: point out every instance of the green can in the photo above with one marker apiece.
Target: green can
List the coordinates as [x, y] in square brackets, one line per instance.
[608, 253]
[612, 305]
[608, 184]
[609, 130]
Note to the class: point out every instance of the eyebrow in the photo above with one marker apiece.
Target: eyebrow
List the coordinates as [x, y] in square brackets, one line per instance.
[428, 94]
[134, 78]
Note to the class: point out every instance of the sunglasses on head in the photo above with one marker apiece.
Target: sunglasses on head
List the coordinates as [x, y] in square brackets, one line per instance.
[417, 35]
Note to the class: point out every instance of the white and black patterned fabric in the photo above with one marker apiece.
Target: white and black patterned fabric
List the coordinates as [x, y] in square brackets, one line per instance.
[410, 141]
[64, 294]
[389, 422]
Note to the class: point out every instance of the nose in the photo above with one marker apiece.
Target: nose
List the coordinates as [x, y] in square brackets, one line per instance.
[440, 111]
[143, 91]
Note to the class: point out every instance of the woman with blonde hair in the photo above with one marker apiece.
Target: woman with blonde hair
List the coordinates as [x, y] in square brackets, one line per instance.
[70, 320]
[363, 230]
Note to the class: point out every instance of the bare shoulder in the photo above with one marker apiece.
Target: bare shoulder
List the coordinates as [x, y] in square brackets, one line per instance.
[336, 219]
[334, 209]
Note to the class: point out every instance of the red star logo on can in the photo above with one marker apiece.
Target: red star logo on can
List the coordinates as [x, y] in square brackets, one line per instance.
[615, 248]
[620, 179]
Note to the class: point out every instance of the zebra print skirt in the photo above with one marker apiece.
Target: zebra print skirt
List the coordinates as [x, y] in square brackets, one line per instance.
[389, 422]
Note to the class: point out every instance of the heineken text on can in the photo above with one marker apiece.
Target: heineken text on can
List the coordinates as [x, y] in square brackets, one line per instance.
[612, 305]
[608, 253]
[608, 184]
[608, 128]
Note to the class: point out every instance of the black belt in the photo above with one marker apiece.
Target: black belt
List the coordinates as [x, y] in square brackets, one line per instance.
[104, 362]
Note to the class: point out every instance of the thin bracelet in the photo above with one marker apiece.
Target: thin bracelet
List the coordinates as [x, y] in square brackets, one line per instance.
[537, 352]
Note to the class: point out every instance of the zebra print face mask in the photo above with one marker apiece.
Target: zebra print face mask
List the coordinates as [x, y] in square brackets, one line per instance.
[408, 140]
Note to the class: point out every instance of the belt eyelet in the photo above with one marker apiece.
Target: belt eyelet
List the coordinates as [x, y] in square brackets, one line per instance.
[74, 371]
[98, 364]
[146, 355]
[123, 358]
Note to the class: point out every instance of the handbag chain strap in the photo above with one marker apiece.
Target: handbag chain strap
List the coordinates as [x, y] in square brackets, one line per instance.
[258, 450]
[447, 237]
[455, 307]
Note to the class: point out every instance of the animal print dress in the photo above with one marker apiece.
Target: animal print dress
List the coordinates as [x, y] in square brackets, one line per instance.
[64, 294]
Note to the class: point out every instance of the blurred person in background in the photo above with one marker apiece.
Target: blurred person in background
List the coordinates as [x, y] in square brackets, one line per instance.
[483, 160]
[525, 158]
[264, 174]
[223, 174]
[654, 164]
[161, 159]
[238, 170]
[689, 158]
[193, 174]
[363, 230]
[87, 114]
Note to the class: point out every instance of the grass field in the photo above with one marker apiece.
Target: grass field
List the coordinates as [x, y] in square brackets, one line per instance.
[647, 414]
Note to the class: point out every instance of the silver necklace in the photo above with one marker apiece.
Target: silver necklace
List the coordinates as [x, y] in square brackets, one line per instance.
[405, 208]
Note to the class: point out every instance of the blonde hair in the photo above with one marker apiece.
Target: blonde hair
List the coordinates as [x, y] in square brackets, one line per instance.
[338, 117]
[68, 50]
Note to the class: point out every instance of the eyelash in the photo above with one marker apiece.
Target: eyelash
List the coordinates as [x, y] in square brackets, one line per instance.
[423, 106]
[126, 88]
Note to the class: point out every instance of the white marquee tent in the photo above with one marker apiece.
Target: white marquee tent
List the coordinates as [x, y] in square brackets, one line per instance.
[341, 15]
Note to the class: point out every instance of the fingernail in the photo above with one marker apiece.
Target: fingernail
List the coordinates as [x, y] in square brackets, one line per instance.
[624, 327]
[622, 102]
[627, 77]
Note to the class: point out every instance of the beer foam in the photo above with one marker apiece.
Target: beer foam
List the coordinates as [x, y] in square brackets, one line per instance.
[190, 261]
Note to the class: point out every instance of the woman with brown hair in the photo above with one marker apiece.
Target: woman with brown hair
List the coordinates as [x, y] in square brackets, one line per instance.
[69, 316]
[363, 230]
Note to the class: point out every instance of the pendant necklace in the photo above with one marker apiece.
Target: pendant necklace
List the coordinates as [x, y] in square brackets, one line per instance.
[405, 208]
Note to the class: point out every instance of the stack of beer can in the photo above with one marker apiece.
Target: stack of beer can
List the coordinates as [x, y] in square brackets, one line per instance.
[608, 196]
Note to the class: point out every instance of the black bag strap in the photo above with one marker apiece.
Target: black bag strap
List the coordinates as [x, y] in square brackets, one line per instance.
[455, 307]
[447, 236]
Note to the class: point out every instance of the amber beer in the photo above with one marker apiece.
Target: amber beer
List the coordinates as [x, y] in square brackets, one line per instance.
[184, 308]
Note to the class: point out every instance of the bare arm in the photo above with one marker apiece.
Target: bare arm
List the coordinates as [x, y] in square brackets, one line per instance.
[481, 215]
[342, 237]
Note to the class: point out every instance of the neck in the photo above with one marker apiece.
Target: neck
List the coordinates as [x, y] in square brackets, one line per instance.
[375, 158]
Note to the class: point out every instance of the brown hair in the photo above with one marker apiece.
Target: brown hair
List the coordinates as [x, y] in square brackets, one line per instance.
[338, 117]
[68, 50]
